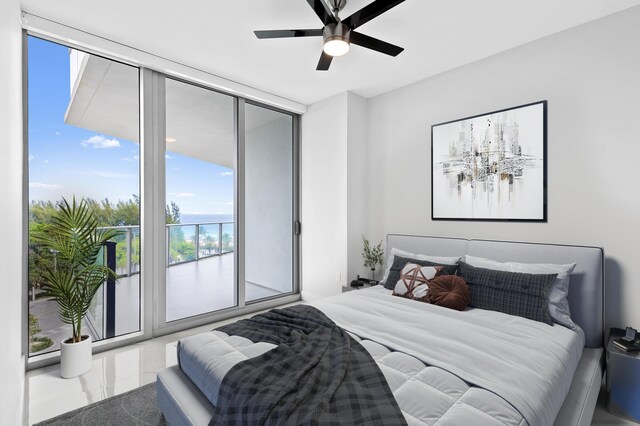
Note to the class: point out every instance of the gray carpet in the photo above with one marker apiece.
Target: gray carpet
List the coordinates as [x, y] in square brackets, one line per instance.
[136, 407]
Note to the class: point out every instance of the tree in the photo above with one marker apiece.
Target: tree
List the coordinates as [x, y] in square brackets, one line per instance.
[227, 242]
[209, 243]
[173, 213]
[107, 213]
[37, 343]
[122, 213]
[34, 328]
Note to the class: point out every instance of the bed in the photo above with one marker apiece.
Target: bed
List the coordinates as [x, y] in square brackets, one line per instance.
[544, 390]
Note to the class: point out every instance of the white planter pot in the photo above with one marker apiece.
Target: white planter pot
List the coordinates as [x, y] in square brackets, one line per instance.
[75, 358]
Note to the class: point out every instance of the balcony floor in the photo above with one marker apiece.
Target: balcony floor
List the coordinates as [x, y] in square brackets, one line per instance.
[193, 288]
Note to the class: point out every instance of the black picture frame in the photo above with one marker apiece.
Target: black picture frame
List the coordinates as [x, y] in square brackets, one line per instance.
[504, 168]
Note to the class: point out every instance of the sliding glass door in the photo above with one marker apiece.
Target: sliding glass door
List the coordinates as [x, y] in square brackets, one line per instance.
[200, 171]
[268, 202]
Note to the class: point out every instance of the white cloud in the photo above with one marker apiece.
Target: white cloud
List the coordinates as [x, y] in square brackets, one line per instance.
[58, 133]
[130, 159]
[127, 159]
[226, 173]
[185, 194]
[40, 185]
[168, 157]
[31, 157]
[101, 142]
[46, 161]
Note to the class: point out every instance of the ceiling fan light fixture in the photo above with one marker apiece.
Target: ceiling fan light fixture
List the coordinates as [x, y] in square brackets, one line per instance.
[336, 39]
[336, 46]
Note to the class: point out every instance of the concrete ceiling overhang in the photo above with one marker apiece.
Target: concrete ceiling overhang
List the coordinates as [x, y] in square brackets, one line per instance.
[199, 122]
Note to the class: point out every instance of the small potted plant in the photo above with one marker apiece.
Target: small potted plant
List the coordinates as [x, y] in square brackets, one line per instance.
[73, 233]
[373, 255]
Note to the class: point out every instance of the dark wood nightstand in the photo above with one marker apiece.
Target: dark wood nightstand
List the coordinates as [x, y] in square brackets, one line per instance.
[623, 380]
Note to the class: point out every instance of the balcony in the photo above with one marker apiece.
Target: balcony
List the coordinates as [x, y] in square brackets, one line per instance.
[198, 281]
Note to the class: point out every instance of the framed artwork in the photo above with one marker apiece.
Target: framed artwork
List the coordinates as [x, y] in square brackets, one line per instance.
[491, 167]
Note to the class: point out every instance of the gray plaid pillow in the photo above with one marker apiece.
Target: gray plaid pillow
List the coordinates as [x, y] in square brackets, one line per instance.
[514, 293]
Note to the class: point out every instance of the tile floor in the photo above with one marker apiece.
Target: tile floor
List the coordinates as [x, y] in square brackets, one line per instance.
[124, 369]
[193, 288]
[114, 372]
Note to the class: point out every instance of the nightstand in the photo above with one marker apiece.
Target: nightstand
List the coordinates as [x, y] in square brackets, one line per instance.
[623, 380]
[346, 288]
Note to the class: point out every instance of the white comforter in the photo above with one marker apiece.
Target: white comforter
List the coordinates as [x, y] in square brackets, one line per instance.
[529, 364]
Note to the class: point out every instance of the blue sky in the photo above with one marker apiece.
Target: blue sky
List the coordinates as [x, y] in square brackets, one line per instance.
[66, 160]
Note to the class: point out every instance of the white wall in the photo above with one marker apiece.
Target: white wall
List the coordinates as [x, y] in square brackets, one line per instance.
[357, 185]
[11, 157]
[591, 77]
[333, 194]
[323, 197]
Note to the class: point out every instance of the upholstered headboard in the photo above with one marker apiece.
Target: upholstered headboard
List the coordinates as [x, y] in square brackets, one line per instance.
[586, 292]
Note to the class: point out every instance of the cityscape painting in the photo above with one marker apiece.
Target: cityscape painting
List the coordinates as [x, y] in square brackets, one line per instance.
[491, 167]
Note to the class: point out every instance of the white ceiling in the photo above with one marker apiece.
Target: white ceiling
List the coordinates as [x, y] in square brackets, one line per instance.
[216, 36]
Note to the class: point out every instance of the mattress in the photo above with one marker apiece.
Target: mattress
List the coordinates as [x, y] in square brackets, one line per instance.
[528, 363]
[205, 359]
[432, 378]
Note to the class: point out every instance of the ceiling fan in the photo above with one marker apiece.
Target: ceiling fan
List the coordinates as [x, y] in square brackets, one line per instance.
[339, 33]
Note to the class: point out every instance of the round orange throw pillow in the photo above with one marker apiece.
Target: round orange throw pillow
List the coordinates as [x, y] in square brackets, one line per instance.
[449, 291]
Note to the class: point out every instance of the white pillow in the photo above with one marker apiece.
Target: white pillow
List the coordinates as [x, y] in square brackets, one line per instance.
[414, 280]
[402, 253]
[558, 303]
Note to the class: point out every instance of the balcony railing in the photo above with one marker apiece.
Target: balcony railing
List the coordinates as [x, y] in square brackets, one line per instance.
[192, 242]
[185, 243]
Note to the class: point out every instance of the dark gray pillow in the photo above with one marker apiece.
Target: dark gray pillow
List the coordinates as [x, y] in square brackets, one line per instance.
[400, 262]
[514, 293]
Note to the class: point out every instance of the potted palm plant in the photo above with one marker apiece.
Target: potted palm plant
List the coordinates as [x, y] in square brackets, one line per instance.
[74, 235]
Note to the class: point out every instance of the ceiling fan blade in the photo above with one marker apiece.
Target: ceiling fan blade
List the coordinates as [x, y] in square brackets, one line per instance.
[324, 62]
[323, 11]
[374, 44]
[287, 33]
[369, 12]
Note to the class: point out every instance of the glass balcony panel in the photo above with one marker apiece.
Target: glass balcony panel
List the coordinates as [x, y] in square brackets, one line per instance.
[228, 243]
[209, 240]
[182, 244]
[135, 250]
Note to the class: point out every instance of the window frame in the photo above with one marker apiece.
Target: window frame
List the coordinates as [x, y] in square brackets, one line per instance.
[152, 115]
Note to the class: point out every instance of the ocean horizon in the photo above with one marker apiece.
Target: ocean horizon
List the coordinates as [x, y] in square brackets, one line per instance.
[205, 218]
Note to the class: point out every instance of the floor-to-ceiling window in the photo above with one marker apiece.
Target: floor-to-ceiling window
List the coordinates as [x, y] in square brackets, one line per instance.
[218, 174]
[200, 170]
[83, 132]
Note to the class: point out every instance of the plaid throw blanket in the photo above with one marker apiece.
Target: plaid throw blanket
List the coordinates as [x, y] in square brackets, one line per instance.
[317, 375]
